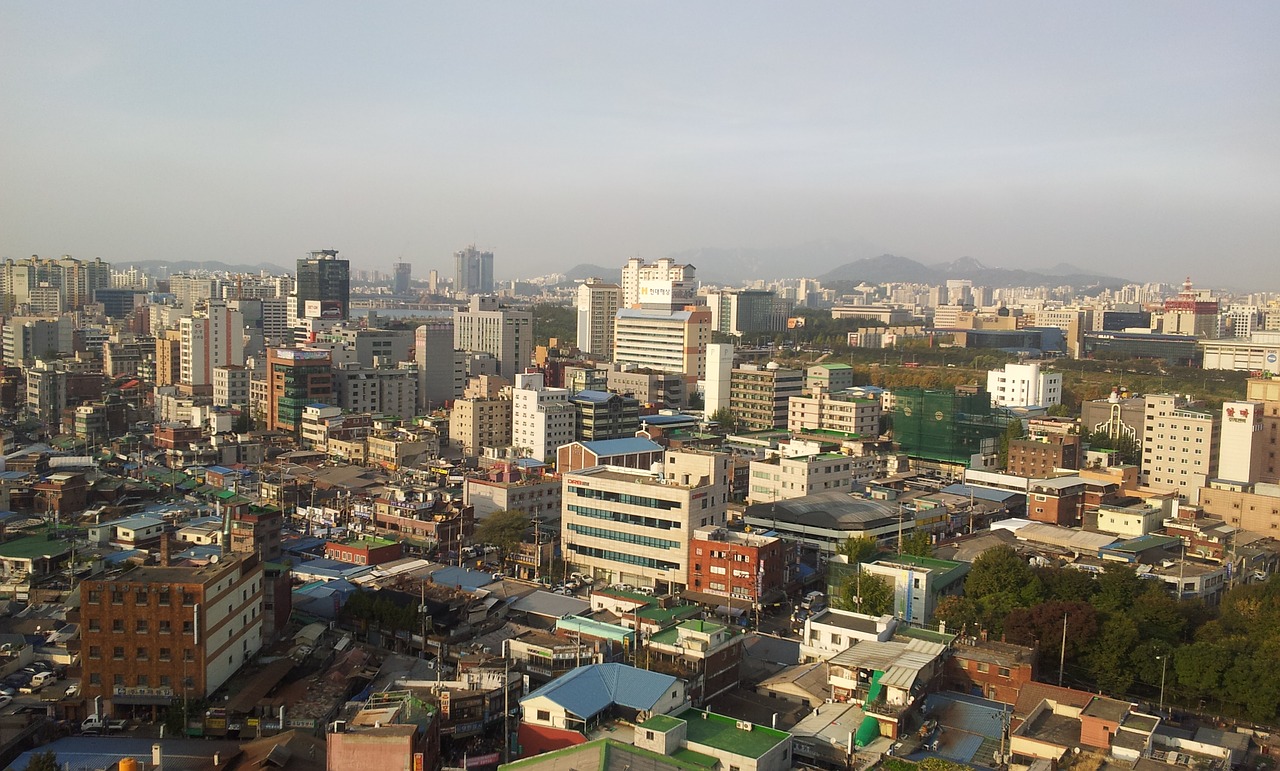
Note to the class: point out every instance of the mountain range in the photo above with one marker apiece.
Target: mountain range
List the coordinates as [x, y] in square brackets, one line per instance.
[892, 268]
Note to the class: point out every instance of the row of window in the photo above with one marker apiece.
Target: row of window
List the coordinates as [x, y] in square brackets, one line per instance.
[614, 535]
[627, 498]
[629, 519]
[141, 626]
[142, 653]
[140, 597]
[626, 559]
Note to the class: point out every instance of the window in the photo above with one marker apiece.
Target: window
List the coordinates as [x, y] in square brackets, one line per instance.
[117, 626]
[984, 667]
[142, 654]
[95, 652]
[1003, 671]
[95, 597]
[95, 679]
[188, 627]
[118, 653]
[165, 626]
[544, 715]
[93, 624]
[141, 626]
[164, 654]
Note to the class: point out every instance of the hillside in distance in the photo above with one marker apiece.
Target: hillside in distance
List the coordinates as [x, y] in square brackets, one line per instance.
[892, 268]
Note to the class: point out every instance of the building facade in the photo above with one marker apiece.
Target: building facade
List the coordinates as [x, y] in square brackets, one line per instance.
[759, 396]
[504, 334]
[598, 304]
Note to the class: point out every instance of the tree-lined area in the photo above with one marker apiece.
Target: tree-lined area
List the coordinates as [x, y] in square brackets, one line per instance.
[1125, 634]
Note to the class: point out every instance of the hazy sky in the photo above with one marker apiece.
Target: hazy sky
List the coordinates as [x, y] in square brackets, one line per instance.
[1134, 134]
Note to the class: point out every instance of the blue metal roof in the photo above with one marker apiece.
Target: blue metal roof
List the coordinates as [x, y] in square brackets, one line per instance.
[462, 578]
[982, 493]
[625, 446]
[587, 691]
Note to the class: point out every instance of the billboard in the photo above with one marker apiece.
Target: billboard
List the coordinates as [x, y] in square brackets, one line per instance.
[323, 309]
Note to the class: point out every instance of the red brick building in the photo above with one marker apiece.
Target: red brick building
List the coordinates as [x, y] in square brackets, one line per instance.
[1040, 457]
[367, 550]
[62, 494]
[747, 567]
[175, 436]
[992, 670]
[1056, 501]
[155, 634]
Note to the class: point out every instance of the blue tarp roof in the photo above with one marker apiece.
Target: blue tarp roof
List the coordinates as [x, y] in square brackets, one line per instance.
[587, 691]
[625, 446]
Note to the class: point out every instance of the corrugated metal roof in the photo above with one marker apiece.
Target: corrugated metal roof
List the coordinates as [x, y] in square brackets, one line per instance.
[900, 662]
[587, 691]
[1065, 537]
[626, 446]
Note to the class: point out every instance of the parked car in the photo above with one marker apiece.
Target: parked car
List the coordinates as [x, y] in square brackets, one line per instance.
[72, 690]
[5, 701]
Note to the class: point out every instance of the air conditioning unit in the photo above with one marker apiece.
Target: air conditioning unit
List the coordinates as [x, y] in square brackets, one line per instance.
[745, 725]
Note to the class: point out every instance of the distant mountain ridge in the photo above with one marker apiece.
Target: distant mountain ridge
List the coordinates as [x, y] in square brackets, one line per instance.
[889, 268]
[586, 270]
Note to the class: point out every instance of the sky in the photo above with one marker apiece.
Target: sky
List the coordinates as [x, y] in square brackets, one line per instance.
[1137, 138]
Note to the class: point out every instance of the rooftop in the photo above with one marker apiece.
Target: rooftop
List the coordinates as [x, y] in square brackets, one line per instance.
[33, 547]
[625, 446]
[722, 733]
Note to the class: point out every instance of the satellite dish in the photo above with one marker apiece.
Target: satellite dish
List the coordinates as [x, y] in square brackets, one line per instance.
[215, 558]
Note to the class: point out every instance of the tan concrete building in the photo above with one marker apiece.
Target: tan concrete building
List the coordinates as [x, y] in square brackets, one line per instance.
[758, 396]
[480, 422]
[834, 412]
[778, 479]
[1179, 446]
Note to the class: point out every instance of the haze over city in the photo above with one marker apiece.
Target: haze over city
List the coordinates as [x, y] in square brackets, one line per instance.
[1133, 139]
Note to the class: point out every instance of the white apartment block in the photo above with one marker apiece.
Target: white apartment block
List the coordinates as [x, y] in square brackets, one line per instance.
[598, 304]
[834, 412]
[542, 418]
[1024, 385]
[1179, 446]
[777, 479]
[667, 342]
[486, 327]
[634, 527]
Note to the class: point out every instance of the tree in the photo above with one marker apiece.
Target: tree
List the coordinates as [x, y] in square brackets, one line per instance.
[918, 544]
[724, 418]
[1041, 626]
[1002, 570]
[1199, 667]
[867, 593]
[1067, 584]
[859, 549]
[1118, 587]
[43, 761]
[1109, 658]
[504, 528]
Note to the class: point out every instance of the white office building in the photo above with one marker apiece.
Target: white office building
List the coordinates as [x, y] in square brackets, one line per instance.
[542, 418]
[598, 304]
[1024, 385]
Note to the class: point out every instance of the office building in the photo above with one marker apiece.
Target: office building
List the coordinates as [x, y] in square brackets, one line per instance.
[1192, 312]
[719, 378]
[1024, 385]
[324, 286]
[662, 285]
[1242, 446]
[780, 479]
[635, 526]
[154, 635]
[231, 386]
[598, 304]
[668, 342]
[489, 328]
[542, 418]
[758, 396]
[403, 272]
[749, 312]
[442, 373]
[210, 338]
[603, 415]
[1179, 446]
[664, 390]
[841, 412]
[28, 338]
[296, 377]
[827, 379]
[386, 391]
[479, 422]
[473, 272]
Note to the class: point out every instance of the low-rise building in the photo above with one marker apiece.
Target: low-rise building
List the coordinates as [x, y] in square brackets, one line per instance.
[704, 654]
[736, 566]
[366, 550]
[776, 479]
[990, 669]
[832, 630]
[919, 583]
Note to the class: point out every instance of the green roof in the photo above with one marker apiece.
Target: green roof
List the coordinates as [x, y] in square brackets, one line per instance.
[671, 634]
[663, 615]
[928, 635]
[833, 365]
[722, 733]
[602, 749]
[923, 562]
[661, 723]
[371, 541]
[33, 547]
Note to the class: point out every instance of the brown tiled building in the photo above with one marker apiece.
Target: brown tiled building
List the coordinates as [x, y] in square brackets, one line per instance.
[364, 551]
[1040, 457]
[155, 634]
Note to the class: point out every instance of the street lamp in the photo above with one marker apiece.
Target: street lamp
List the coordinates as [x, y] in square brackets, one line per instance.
[1164, 665]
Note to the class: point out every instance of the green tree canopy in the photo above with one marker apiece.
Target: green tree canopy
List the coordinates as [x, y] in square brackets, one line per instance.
[43, 761]
[918, 544]
[859, 549]
[867, 593]
[504, 528]
[1001, 570]
[724, 418]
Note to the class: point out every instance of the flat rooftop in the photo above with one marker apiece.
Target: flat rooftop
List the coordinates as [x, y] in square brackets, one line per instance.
[722, 733]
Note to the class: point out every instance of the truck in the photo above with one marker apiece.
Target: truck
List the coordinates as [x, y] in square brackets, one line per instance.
[97, 724]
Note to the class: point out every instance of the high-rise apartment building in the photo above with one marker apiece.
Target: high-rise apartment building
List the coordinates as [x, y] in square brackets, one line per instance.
[296, 377]
[376, 390]
[741, 312]
[662, 285]
[473, 271]
[1024, 385]
[598, 304]
[634, 526]
[504, 334]
[74, 281]
[542, 418]
[603, 415]
[1179, 446]
[324, 286]
[673, 341]
[718, 378]
[478, 422]
[156, 634]
[758, 396]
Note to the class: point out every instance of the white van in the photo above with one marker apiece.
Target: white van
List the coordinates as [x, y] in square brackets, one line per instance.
[38, 681]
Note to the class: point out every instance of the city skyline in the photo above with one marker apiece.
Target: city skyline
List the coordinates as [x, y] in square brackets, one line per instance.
[1135, 136]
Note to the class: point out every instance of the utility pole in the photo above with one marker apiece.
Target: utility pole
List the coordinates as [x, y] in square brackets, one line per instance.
[1062, 655]
[506, 700]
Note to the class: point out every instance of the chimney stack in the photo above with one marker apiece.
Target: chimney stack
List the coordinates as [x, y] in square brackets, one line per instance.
[164, 549]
